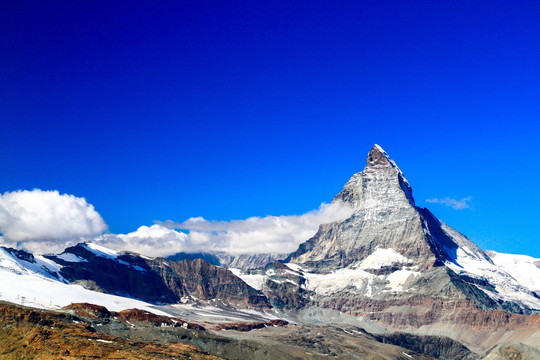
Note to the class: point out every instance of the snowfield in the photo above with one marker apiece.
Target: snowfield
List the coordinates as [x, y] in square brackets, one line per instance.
[40, 292]
[523, 268]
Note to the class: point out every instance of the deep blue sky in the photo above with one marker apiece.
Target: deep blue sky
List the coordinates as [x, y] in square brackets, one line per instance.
[230, 110]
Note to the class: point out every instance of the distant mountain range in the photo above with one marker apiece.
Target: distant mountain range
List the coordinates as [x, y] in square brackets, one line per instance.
[390, 267]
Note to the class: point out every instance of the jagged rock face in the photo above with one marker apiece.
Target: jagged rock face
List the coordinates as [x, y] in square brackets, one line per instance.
[201, 280]
[154, 280]
[249, 260]
[384, 217]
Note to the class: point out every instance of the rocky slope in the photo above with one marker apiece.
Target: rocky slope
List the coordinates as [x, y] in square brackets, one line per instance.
[86, 331]
[513, 351]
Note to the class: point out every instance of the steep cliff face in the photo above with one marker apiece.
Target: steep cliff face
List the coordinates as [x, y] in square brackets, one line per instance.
[384, 217]
[197, 279]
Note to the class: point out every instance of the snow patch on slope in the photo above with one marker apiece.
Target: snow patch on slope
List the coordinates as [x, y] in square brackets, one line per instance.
[101, 251]
[400, 278]
[326, 284]
[383, 257]
[70, 257]
[31, 284]
[256, 281]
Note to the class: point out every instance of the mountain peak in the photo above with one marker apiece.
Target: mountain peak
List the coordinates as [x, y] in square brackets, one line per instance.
[377, 157]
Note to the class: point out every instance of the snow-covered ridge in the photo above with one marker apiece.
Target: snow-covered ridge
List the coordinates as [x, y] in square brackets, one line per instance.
[95, 250]
[101, 251]
[70, 257]
[465, 258]
[35, 281]
[28, 264]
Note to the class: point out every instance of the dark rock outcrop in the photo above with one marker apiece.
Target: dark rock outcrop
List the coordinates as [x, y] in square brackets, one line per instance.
[251, 325]
[439, 347]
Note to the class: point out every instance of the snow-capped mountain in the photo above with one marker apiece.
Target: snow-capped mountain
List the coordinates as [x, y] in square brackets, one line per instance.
[395, 264]
[389, 248]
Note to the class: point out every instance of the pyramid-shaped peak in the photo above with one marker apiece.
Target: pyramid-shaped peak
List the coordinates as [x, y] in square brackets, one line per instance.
[377, 157]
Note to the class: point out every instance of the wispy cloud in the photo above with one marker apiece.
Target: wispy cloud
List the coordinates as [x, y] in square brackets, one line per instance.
[456, 204]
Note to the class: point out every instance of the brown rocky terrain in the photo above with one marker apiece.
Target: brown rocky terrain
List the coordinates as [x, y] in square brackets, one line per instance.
[128, 316]
[513, 351]
[422, 310]
[86, 331]
[41, 335]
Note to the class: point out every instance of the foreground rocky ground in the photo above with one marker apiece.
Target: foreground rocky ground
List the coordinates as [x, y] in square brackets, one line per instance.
[33, 334]
[86, 331]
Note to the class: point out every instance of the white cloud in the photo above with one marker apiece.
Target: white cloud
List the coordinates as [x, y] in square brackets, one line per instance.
[455, 204]
[45, 221]
[155, 240]
[269, 234]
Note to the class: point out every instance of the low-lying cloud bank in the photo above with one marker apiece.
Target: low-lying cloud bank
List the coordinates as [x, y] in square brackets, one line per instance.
[269, 234]
[47, 221]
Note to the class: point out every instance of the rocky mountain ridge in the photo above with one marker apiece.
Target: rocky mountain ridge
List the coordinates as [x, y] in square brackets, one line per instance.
[156, 281]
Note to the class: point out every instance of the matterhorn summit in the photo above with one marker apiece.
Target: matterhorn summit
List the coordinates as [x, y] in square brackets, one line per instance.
[395, 263]
[385, 218]
[400, 249]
